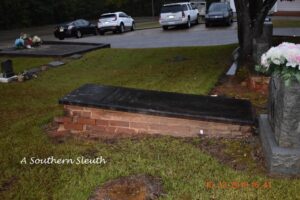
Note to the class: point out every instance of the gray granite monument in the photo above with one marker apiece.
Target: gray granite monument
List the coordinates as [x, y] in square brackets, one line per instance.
[280, 129]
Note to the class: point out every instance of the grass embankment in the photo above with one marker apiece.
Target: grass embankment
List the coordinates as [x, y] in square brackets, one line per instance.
[20, 63]
[281, 23]
[27, 107]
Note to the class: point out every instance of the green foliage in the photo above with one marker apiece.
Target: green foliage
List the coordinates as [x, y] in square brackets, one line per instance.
[18, 13]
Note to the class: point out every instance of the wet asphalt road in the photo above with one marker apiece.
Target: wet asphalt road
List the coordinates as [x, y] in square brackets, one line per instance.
[155, 38]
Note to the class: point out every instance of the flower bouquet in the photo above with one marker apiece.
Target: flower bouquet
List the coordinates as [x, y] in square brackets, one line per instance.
[283, 60]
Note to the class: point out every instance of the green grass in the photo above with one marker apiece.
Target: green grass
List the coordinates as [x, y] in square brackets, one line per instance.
[20, 64]
[151, 24]
[286, 23]
[27, 107]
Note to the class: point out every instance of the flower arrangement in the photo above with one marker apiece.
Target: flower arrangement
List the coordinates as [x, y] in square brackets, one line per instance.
[26, 41]
[283, 60]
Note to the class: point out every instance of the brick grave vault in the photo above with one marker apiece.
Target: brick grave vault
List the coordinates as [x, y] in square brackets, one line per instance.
[94, 111]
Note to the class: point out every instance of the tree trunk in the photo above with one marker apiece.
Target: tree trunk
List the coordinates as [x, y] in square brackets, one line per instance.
[245, 34]
[251, 15]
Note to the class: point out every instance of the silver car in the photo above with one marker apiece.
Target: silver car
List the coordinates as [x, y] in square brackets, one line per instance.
[178, 14]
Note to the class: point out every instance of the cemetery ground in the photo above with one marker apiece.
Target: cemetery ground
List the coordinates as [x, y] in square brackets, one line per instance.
[188, 167]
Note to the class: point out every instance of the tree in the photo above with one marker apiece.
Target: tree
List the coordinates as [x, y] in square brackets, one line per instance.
[251, 15]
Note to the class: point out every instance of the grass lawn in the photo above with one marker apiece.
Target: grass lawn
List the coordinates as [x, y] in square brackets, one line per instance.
[280, 23]
[27, 107]
[150, 24]
[20, 63]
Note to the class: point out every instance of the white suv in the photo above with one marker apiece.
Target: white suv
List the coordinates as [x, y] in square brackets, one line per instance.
[115, 22]
[178, 14]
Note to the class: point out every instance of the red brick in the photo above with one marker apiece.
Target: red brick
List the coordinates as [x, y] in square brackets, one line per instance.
[76, 113]
[97, 114]
[139, 125]
[180, 129]
[101, 122]
[86, 121]
[119, 123]
[72, 126]
[235, 127]
[96, 128]
[86, 114]
[126, 131]
[110, 129]
[246, 129]
[159, 127]
[74, 107]
[75, 119]
[67, 120]
[59, 120]
[236, 133]
[67, 112]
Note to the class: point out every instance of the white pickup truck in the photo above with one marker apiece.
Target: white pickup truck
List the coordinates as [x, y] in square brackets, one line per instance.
[176, 14]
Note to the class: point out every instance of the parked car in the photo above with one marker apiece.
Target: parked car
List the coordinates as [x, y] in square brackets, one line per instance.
[219, 13]
[76, 28]
[176, 14]
[115, 22]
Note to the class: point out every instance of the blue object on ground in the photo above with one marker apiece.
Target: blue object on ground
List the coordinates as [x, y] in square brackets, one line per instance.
[19, 43]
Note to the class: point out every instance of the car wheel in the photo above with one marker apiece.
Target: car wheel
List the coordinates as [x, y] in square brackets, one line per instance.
[122, 28]
[197, 20]
[101, 32]
[165, 28]
[188, 24]
[61, 38]
[228, 22]
[133, 26]
[78, 34]
[95, 32]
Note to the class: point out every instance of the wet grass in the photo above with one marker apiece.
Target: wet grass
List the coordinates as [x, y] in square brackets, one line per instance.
[27, 107]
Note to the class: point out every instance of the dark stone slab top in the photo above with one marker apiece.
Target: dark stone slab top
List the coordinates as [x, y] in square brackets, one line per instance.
[162, 103]
[54, 49]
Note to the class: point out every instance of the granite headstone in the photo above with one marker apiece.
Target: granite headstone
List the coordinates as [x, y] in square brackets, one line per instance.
[7, 69]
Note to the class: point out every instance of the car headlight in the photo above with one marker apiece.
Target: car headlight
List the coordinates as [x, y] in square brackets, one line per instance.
[70, 27]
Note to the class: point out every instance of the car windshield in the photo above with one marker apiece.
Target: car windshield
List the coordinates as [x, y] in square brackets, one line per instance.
[217, 7]
[171, 9]
[107, 16]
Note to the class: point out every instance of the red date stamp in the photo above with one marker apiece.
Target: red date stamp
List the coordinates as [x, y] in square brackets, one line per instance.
[238, 185]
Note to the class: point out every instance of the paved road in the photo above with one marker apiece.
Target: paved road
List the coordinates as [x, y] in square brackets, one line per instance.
[153, 38]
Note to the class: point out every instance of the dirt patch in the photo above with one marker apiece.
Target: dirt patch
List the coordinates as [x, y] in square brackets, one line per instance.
[6, 185]
[138, 187]
[236, 87]
[242, 154]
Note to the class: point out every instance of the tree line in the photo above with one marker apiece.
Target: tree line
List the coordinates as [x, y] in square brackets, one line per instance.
[20, 13]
